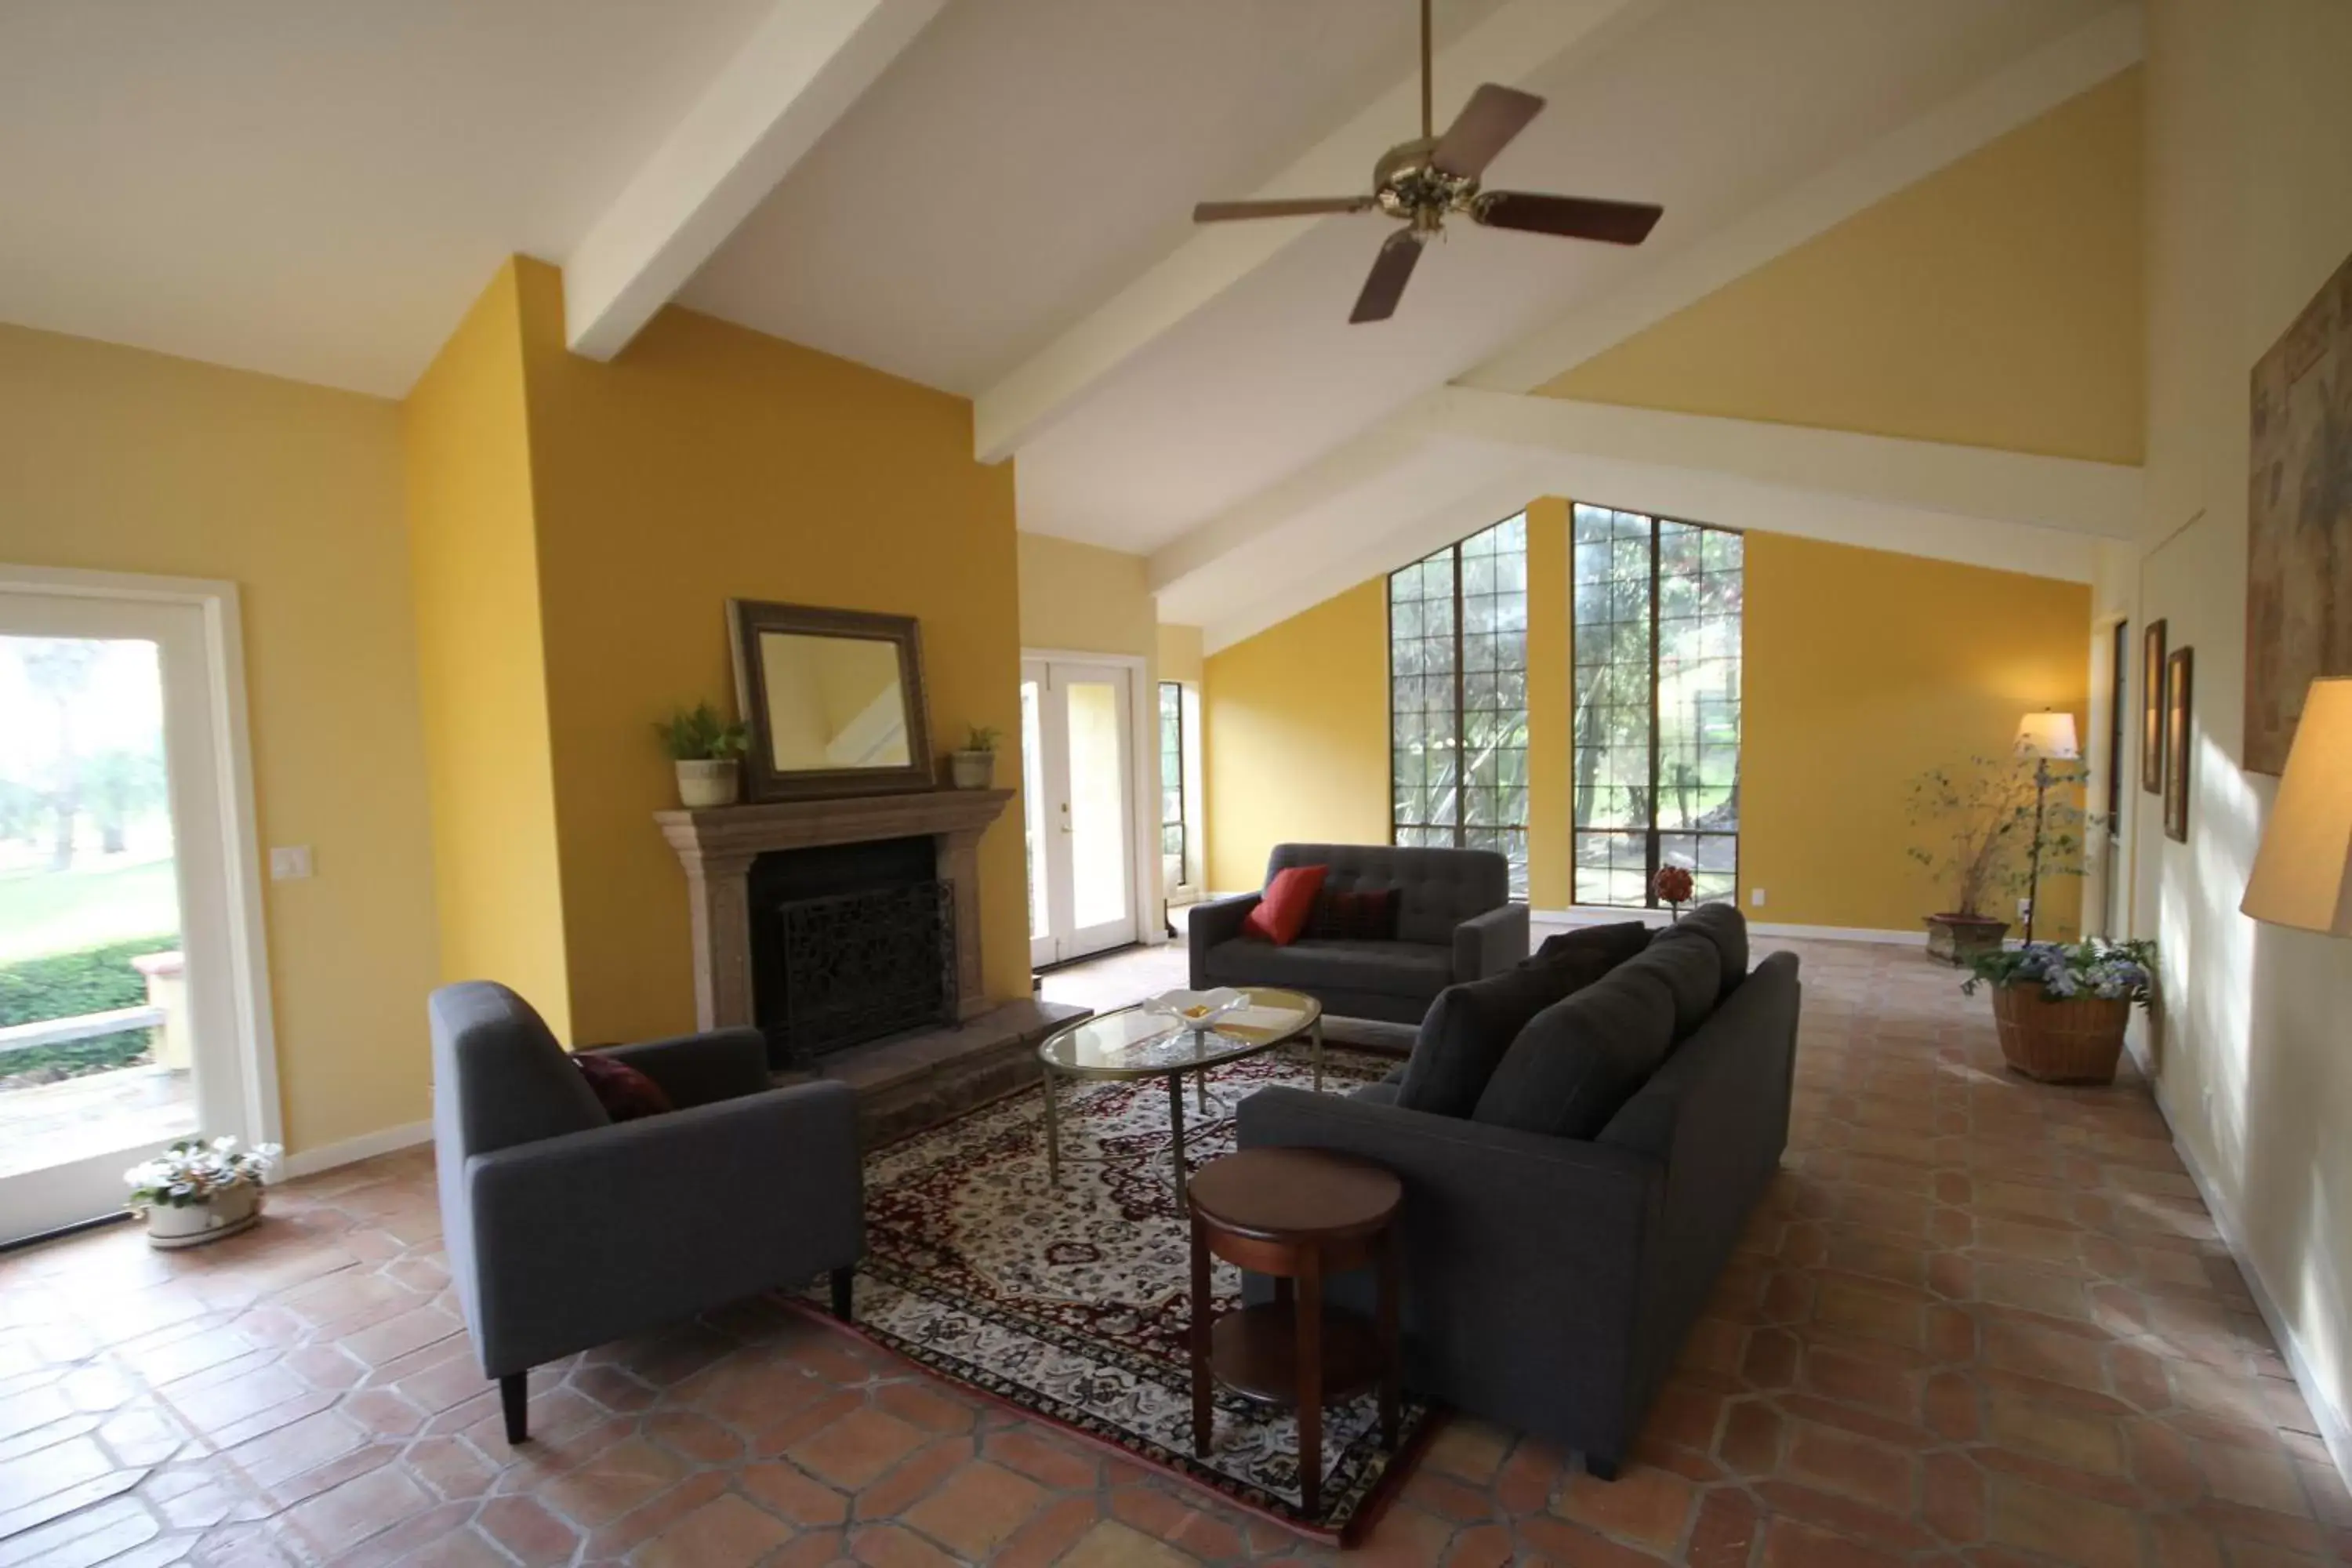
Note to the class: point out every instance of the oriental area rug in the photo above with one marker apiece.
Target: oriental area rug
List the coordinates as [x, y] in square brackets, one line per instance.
[1073, 1302]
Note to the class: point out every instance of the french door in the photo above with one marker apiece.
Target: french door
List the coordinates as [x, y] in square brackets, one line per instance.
[118, 1011]
[1078, 789]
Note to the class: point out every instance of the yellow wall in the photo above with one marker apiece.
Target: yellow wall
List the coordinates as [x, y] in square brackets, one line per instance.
[118, 460]
[1179, 654]
[1862, 669]
[1296, 736]
[2250, 132]
[1083, 598]
[710, 461]
[474, 551]
[1995, 303]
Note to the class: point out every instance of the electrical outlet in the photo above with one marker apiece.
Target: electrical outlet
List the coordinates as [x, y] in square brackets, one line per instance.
[1756, 898]
[2024, 910]
[289, 863]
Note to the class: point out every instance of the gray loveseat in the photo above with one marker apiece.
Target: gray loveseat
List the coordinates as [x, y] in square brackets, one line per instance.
[1455, 921]
[565, 1229]
[1549, 1281]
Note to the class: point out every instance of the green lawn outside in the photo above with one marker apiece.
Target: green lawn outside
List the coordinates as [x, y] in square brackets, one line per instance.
[46, 912]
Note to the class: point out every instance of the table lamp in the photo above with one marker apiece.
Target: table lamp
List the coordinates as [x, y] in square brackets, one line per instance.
[2046, 736]
[2303, 872]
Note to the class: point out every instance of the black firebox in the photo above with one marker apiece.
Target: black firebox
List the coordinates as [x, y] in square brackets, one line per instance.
[849, 943]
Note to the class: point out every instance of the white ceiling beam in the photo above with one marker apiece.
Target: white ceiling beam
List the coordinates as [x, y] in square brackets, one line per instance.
[2010, 98]
[2064, 493]
[1520, 40]
[799, 70]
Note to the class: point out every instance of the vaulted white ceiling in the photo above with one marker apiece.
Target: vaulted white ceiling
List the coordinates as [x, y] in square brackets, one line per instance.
[989, 196]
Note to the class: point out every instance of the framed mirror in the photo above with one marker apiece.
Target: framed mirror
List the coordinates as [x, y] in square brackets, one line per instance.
[834, 700]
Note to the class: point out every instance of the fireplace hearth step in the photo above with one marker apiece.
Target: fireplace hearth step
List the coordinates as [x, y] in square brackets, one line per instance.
[911, 1081]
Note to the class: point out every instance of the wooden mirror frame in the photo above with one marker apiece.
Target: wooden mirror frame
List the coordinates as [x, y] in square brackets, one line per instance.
[750, 619]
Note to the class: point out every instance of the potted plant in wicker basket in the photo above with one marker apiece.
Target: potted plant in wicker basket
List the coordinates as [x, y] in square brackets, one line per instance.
[1980, 828]
[2060, 1007]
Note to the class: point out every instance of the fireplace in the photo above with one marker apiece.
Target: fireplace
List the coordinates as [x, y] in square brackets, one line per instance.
[850, 942]
[781, 878]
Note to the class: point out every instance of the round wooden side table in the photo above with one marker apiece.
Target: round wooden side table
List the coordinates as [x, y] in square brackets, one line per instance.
[1301, 1215]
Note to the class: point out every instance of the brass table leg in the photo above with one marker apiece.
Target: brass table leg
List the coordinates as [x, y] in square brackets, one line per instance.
[1053, 1130]
[1176, 1130]
[1316, 1048]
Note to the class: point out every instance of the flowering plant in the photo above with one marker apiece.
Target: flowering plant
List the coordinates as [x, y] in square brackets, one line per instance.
[2110, 971]
[1673, 886]
[193, 1169]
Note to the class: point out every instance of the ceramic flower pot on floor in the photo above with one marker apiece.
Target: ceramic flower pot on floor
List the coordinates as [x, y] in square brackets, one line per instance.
[1958, 939]
[225, 1214]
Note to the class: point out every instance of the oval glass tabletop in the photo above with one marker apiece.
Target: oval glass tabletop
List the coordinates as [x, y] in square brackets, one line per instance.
[1130, 1043]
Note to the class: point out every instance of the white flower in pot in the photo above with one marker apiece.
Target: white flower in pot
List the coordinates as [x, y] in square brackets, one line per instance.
[199, 1190]
[973, 764]
[709, 754]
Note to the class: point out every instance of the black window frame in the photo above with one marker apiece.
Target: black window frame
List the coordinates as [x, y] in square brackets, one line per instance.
[1653, 835]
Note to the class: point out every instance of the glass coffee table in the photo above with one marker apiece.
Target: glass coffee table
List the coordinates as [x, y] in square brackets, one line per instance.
[1128, 1045]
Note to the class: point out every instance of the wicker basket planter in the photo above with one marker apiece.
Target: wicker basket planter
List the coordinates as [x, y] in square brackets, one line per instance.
[2077, 1040]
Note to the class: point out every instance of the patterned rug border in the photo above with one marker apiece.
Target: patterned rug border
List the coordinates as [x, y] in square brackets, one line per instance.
[1362, 1480]
[1424, 1423]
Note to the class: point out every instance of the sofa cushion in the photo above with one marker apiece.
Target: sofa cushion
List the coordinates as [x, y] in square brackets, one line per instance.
[1281, 913]
[1408, 969]
[1365, 914]
[1437, 890]
[1469, 1027]
[1690, 972]
[1724, 929]
[1580, 1059]
[625, 1093]
[1594, 949]
[1380, 1093]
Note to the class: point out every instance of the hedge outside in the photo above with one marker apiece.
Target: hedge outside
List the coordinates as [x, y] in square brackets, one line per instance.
[68, 985]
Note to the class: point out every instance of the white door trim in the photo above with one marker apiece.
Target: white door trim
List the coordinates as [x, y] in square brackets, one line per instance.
[224, 624]
[1143, 763]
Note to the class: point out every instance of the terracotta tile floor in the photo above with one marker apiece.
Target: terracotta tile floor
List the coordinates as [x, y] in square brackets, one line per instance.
[1980, 1321]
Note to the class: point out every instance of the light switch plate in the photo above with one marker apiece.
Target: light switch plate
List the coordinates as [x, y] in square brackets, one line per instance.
[1756, 898]
[289, 863]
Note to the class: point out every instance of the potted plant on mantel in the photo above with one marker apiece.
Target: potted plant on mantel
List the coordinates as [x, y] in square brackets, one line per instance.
[2062, 1008]
[1981, 828]
[973, 764]
[708, 753]
[198, 1190]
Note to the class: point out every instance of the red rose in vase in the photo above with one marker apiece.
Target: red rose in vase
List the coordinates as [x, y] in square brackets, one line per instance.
[1673, 887]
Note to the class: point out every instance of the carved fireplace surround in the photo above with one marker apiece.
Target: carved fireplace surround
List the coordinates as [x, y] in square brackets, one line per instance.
[718, 846]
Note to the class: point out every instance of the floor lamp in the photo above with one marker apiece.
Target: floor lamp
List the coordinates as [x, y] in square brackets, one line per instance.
[2303, 872]
[2046, 736]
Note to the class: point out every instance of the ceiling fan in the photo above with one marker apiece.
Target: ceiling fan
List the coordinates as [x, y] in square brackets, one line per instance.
[1424, 180]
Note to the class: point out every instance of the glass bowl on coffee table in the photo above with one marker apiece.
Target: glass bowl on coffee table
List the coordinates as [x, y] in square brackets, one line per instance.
[1134, 1043]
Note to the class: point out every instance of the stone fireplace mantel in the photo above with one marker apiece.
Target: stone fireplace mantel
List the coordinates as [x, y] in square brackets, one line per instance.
[718, 846]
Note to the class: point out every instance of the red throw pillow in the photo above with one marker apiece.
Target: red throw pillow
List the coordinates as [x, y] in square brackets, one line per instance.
[625, 1093]
[1281, 913]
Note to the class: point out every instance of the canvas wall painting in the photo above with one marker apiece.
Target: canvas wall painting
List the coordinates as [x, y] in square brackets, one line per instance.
[2179, 694]
[2299, 521]
[2152, 708]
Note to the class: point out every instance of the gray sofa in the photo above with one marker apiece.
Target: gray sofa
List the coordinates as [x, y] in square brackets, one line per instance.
[1455, 921]
[566, 1229]
[1549, 1281]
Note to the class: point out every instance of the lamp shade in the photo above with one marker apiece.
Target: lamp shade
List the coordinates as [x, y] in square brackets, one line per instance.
[2047, 735]
[2303, 872]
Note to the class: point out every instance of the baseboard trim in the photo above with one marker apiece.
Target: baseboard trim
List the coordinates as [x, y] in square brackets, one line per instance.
[2334, 1427]
[1588, 914]
[367, 1146]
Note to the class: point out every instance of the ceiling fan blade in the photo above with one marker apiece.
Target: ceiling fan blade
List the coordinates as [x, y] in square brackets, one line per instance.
[1575, 217]
[1391, 270]
[1485, 127]
[1286, 207]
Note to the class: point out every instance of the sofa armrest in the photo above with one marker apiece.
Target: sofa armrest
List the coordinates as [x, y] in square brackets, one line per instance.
[1525, 1257]
[1491, 942]
[699, 1069]
[583, 1238]
[1218, 919]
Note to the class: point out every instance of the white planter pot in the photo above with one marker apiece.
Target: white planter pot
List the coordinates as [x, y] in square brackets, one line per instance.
[972, 770]
[707, 783]
[228, 1212]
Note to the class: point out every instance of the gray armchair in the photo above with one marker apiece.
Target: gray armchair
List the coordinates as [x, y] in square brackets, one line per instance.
[566, 1229]
[1455, 921]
